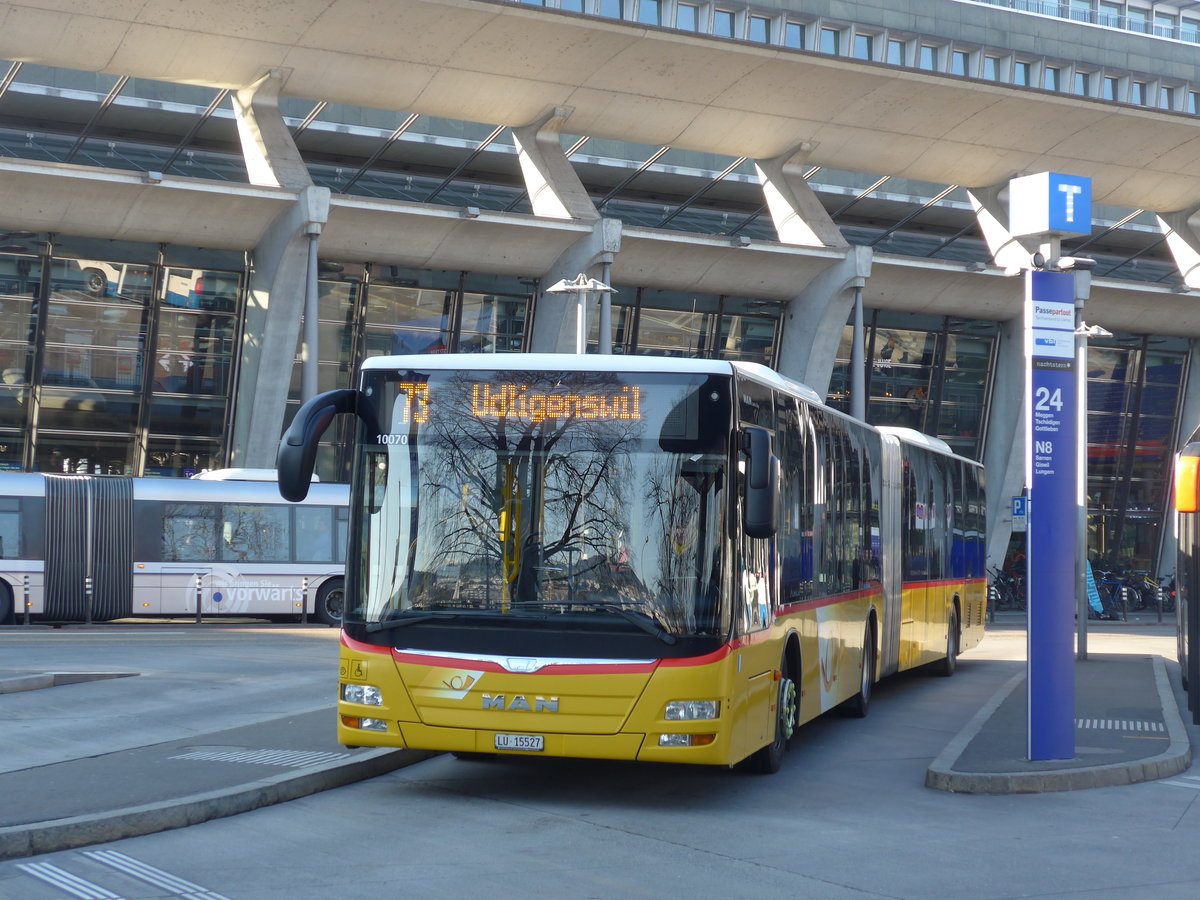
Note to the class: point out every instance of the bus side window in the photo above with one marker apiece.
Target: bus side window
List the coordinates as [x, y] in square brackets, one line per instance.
[258, 533]
[314, 534]
[10, 528]
[189, 533]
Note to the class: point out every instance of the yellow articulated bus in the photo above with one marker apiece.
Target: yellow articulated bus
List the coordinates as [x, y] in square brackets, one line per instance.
[632, 557]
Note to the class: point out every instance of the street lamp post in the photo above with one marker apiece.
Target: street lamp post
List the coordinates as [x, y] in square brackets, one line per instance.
[581, 287]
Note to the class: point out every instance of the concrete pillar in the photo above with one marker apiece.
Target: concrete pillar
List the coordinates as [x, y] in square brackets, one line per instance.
[795, 209]
[813, 321]
[554, 314]
[275, 302]
[1004, 447]
[553, 186]
[1183, 238]
[274, 314]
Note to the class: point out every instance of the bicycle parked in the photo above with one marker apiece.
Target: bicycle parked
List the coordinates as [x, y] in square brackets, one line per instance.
[1008, 589]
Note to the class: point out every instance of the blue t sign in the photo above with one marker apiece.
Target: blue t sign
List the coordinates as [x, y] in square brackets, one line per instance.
[1050, 473]
[1070, 204]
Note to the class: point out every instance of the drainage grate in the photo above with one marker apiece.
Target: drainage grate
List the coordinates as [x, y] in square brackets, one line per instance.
[292, 759]
[1118, 725]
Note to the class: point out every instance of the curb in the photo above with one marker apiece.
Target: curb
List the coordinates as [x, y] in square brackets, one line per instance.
[1176, 758]
[79, 831]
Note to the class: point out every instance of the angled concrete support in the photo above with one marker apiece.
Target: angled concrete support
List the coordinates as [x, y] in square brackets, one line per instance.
[554, 315]
[1183, 237]
[798, 215]
[1004, 453]
[991, 209]
[553, 186]
[283, 276]
[813, 321]
[274, 310]
[271, 155]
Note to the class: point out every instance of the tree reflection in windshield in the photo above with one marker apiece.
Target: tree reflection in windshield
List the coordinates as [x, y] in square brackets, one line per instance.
[549, 504]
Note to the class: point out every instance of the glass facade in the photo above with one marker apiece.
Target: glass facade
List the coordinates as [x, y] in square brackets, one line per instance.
[1133, 398]
[113, 361]
[932, 375]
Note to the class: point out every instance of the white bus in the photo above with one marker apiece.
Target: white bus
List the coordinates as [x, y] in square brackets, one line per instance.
[83, 547]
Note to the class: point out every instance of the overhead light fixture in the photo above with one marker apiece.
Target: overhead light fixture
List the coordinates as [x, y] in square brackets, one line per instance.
[152, 177]
[740, 241]
[975, 266]
[471, 212]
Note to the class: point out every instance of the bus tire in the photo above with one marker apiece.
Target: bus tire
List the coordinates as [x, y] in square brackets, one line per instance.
[767, 760]
[96, 282]
[7, 609]
[859, 705]
[331, 602]
[949, 665]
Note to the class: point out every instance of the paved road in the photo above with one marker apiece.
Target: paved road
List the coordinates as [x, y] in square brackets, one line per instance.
[187, 680]
[847, 817]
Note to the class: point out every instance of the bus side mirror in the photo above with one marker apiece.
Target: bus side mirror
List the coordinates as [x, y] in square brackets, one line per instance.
[298, 447]
[1187, 479]
[760, 512]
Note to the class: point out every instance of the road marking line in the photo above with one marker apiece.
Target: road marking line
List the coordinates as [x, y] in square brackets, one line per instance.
[292, 759]
[72, 884]
[1118, 725]
[179, 887]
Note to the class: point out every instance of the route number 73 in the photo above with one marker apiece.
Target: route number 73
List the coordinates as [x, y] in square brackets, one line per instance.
[1047, 400]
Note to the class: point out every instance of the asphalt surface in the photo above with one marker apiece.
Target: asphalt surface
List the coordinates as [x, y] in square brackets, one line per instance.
[142, 778]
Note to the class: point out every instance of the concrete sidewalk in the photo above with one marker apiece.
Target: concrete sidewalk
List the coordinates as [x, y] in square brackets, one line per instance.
[177, 783]
[1127, 729]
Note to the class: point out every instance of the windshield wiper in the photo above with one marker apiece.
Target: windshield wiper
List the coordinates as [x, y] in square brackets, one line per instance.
[644, 621]
[399, 623]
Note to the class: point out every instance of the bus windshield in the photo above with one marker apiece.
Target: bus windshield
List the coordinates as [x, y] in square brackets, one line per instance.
[568, 500]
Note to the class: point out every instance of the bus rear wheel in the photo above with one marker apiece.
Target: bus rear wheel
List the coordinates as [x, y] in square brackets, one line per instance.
[949, 665]
[768, 760]
[331, 602]
[860, 704]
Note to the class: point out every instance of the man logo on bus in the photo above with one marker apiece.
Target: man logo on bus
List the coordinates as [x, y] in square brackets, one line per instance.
[520, 704]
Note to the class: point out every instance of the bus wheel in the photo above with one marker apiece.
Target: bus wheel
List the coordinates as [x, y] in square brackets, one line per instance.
[768, 760]
[860, 704]
[949, 665]
[331, 602]
[96, 282]
[6, 604]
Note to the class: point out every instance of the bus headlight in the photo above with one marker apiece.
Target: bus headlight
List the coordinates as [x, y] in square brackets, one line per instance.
[691, 710]
[685, 740]
[364, 723]
[364, 694]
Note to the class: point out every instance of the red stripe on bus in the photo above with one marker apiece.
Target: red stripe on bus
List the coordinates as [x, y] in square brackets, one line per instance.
[866, 594]
[945, 582]
[350, 644]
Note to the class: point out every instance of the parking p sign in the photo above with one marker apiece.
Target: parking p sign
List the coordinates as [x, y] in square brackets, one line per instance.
[1019, 519]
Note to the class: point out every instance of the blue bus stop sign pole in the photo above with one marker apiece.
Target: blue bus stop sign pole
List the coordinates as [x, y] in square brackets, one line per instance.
[1051, 463]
